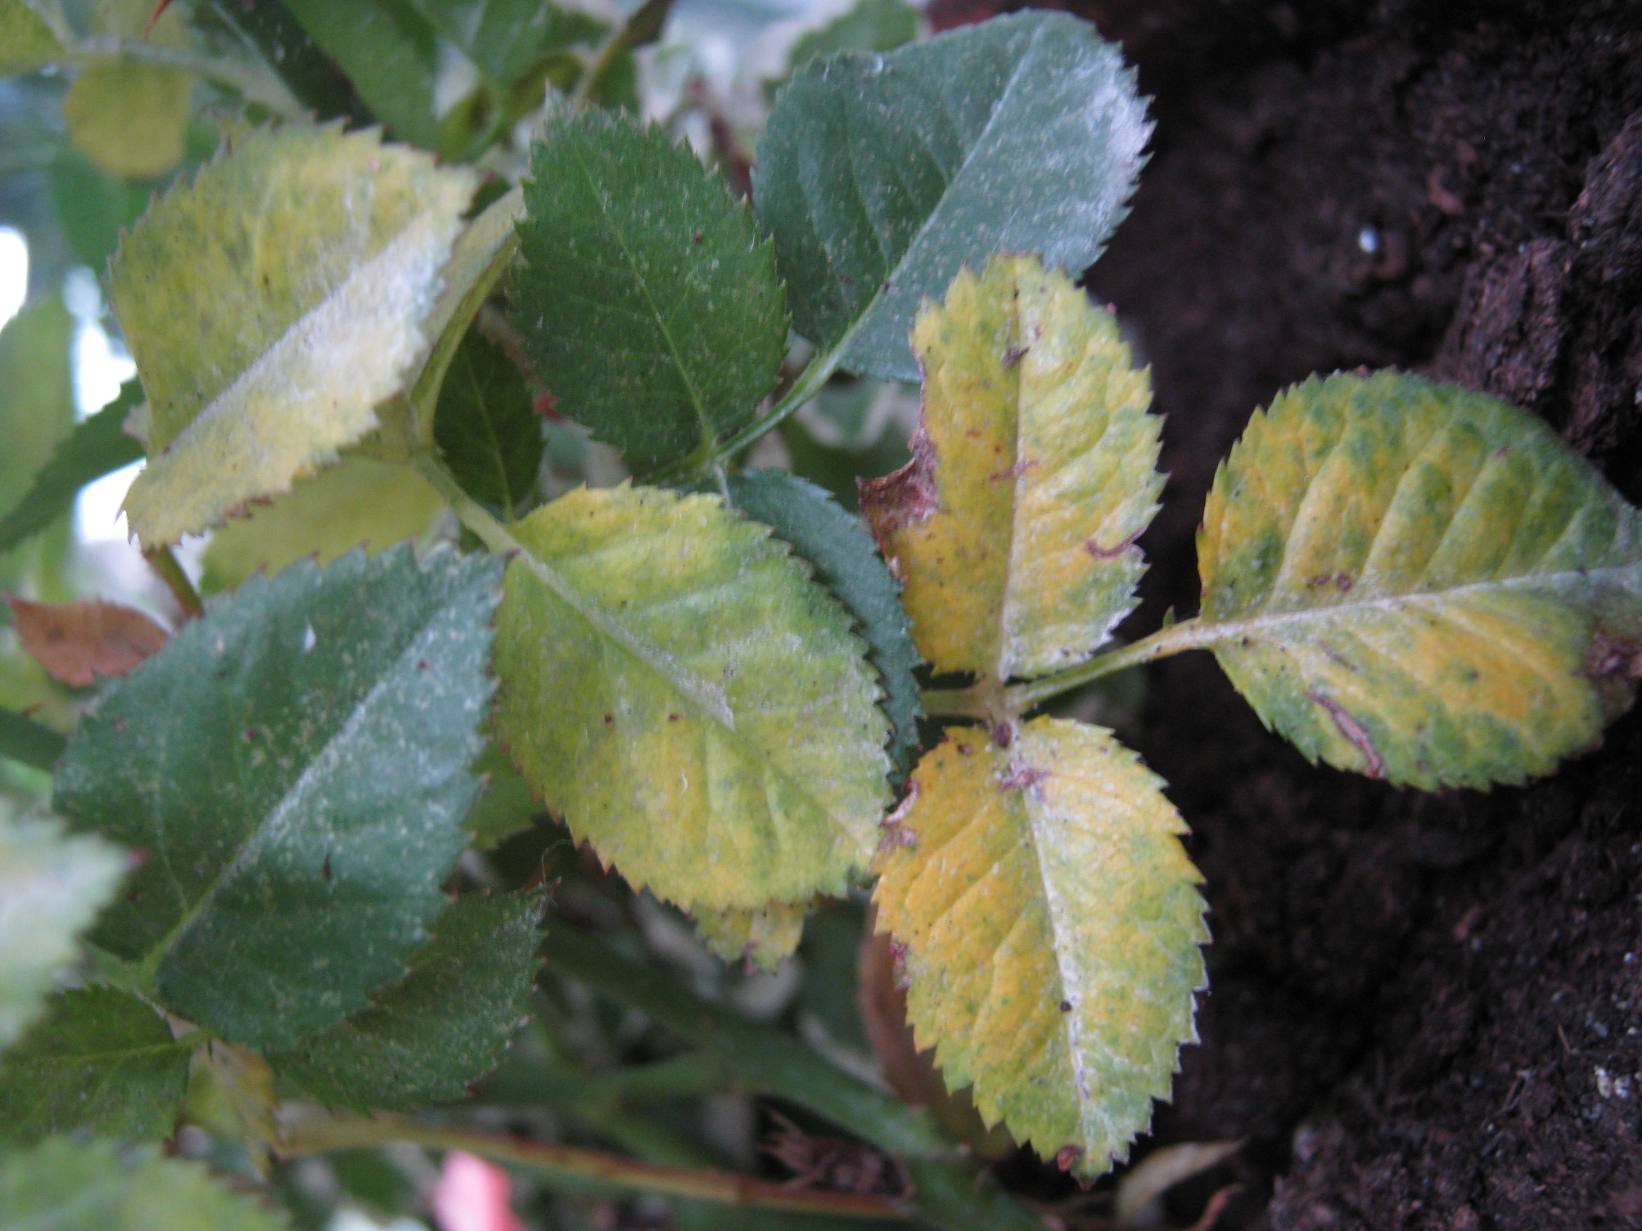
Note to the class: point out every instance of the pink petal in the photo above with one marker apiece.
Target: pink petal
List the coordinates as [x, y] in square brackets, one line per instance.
[472, 1196]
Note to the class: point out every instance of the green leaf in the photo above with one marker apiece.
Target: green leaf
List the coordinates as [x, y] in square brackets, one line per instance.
[505, 805]
[64, 1185]
[1051, 925]
[36, 413]
[507, 41]
[273, 34]
[646, 302]
[51, 887]
[92, 206]
[881, 175]
[27, 40]
[358, 502]
[271, 306]
[845, 560]
[487, 427]
[696, 708]
[761, 937]
[102, 1061]
[391, 55]
[1034, 471]
[1420, 583]
[872, 25]
[429, 1037]
[28, 742]
[294, 764]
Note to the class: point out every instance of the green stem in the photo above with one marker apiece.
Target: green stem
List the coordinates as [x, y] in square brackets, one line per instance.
[809, 383]
[948, 1192]
[979, 702]
[644, 26]
[23, 739]
[170, 570]
[265, 89]
[584, 1168]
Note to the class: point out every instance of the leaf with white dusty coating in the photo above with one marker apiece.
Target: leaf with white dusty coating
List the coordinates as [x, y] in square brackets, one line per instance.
[1421, 583]
[845, 560]
[645, 298]
[51, 887]
[696, 707]
[271, 306]
[427, 1038]
[101, 1060]
[881, 175]
[1034, 471]
[295, 767]
[1050, 922]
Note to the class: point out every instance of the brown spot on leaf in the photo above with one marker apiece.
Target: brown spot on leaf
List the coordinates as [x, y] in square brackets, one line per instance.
[1013, 356]
[79, 643]
[1356, 734]
[1613, 657]
[1066, 1006]
[1022, 777]
[965, 750]
[904, 497]
[325, 869]
[1067, 1157]
[1110, 553]
[1003, 734]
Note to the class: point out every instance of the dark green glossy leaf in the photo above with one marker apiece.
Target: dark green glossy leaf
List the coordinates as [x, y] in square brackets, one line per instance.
[445, 1025]
[295, 766]
[847, 562]
[881, 175]
[281, 42]
[647, 302]
[63, 1185]
[95, 447]
[487, 427]
[391, 55]
[100, 1060]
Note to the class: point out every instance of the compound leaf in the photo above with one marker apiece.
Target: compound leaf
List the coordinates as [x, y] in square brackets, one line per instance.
[761, 937]
[101, 1060]
[674, 685]
[646, 301]
[881, 175]
[94, 447]
[427, 1038]
[295, 765]
[486, 426]
[1034, 471]
[1420, 583]
[51, 887]
[65, 1185]
[1051, 925]
[271, 305]
[845, 560]
[359, 502]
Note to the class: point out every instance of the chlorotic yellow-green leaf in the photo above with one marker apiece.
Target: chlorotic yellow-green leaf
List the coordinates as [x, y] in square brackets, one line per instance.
[358, 502]
[1050, 922]
[760, 937]
[129, 116]
[27, 41]
[271, 305]
[1421, 583]
[676, 686]
[1034, 471]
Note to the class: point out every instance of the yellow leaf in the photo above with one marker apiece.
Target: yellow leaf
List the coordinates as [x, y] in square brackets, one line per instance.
[1033, 473]
[1050, 922]
[271, 306]
[761, 937]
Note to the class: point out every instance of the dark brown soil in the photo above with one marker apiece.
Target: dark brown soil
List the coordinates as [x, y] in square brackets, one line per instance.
[1426, 1011]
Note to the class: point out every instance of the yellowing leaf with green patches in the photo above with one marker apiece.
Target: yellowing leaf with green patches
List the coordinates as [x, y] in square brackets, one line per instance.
[1420, 583]
[1034, 471]
[760, 937]
[676, 687]
[271, 305]
[1050, 922]
[359, 502]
